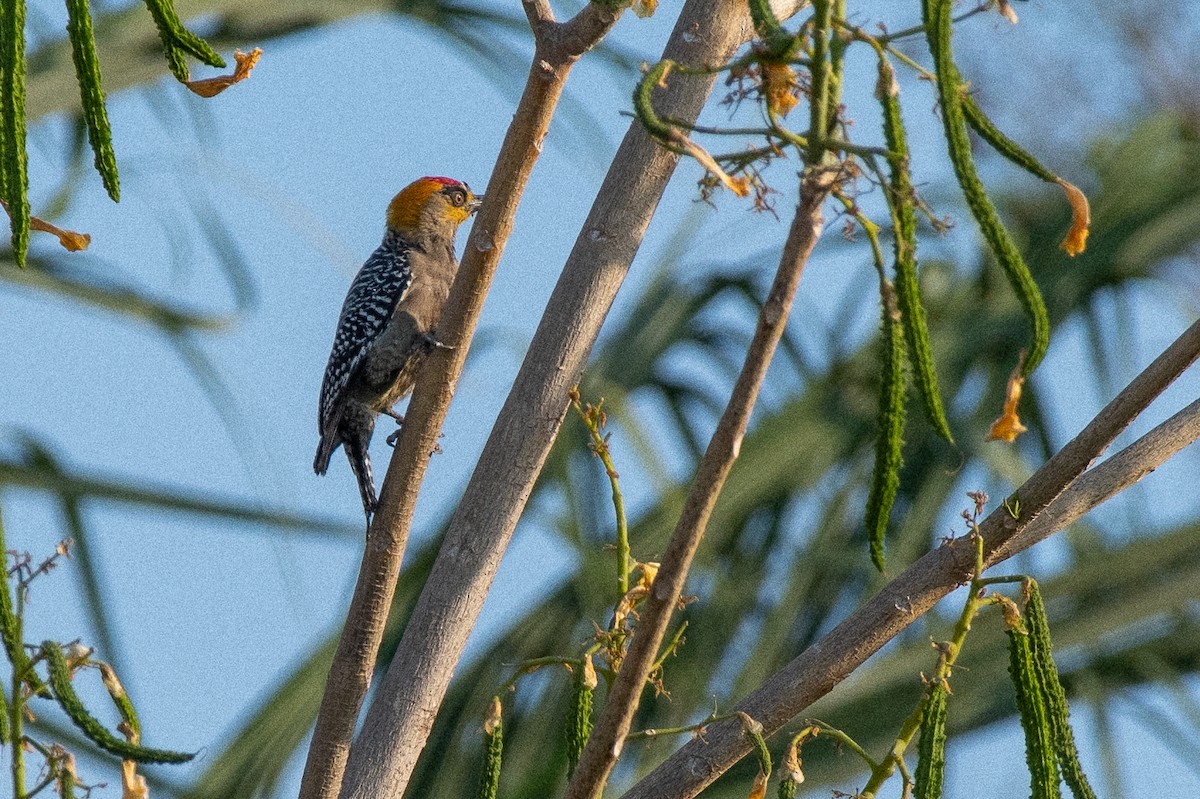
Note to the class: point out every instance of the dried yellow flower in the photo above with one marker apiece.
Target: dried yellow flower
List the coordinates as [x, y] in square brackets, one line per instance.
[493, 716]
[133, 785]
[739, 185]
[1081, 217]
[644, 8]
[211, 87]
[1009, 426]
[69, 239]
[779, 87]
[759, 789]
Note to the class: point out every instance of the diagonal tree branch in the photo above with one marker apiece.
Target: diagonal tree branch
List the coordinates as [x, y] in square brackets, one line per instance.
[1052, 493]
[604, 746]
[557, 47]
[1103, 482]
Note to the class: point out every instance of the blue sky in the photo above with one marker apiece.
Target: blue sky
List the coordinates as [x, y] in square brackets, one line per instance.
[299, 163]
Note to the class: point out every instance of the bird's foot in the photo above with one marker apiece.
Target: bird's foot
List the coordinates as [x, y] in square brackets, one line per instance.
[432, 342]
[393, 438]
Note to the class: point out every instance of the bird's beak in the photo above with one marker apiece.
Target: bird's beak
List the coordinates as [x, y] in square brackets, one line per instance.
[474, 204]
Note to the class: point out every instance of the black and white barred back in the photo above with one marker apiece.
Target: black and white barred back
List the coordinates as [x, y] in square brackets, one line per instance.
[379, 286]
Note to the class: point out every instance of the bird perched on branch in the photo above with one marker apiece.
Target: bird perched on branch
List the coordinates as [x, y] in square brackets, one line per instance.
[387, 323]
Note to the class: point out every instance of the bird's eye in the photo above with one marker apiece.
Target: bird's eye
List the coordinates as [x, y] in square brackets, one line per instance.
[458, 197]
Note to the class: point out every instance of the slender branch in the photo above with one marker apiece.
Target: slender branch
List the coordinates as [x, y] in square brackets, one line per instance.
[557, 47]
[919, 29]
[817, 670]
[600, 755]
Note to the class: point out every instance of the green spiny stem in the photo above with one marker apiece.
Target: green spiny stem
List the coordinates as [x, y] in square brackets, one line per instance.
[766, 25]
[120, 698]
[10, 627]
[643, 104]
[68, 700]
[931, 753]
[493, 736]
[1035, 721]
[87, 70]
[938, 29]
[837, 61]
[1065, 750]
[1008, 148]
[16, 720]
[600, 447]
[885, 477]
[177, 40]
[820, 80]
[901, 200]
[579, 721]
[12, 124]
[755, 731]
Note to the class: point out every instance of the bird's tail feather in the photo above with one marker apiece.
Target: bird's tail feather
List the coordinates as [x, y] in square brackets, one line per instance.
[329, 444]
[360, 464]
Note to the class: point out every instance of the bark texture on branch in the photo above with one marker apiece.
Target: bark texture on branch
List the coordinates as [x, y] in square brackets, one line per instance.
[557, 47]
[817, 670]
[412, 690]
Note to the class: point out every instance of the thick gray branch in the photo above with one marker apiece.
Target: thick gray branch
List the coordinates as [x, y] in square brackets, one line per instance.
[817, 670]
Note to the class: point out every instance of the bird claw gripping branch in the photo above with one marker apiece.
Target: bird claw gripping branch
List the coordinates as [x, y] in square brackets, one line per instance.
[386, 326]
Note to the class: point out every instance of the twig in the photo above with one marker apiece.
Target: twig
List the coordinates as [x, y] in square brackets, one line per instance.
[603, 748]
[817, 670]
[594, 419]
[557, 48]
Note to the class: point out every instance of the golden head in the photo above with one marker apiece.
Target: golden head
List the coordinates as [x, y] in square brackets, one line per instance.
[432, 206]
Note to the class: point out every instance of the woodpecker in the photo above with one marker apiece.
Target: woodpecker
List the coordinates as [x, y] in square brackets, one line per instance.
[387, 323]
